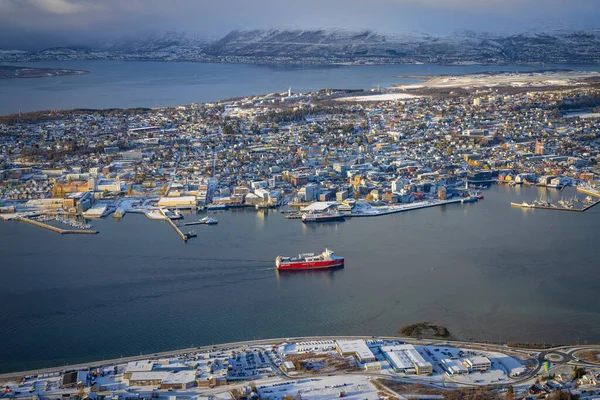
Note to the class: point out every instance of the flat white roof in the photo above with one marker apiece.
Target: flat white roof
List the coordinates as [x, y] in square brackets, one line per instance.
[405, 356]
[455, 366]
[319, 206]
[180, 377]
[177, 199]
[164, 376]
[358, 347]
[478, 360]
[139, 366]
[149, 376]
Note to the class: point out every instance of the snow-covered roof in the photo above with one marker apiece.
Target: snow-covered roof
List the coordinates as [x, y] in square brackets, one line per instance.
[319, 206]
[180, 377]
[454, 366]
[404, 356]
[139, 366]
[478, 360]
[357, 347]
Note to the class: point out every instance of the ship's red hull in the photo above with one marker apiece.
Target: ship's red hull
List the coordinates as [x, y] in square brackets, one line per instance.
[304, 265]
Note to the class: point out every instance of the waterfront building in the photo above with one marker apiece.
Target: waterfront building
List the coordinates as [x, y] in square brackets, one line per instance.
[357, 348]
[406, 359]
[138, 375]
[181, 202]
[74, 379]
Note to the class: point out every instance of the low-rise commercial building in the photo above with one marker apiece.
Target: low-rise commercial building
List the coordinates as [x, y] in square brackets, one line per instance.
[406, 359]
[478, 363]
[357, 348]
[181, 202]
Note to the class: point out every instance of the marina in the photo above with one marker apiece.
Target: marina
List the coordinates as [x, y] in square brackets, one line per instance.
[563, 205]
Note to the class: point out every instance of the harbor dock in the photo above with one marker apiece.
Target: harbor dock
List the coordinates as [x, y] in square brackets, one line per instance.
[586, 191]
[403, 208]
[555, 208]
[56, 229]
[183, 236]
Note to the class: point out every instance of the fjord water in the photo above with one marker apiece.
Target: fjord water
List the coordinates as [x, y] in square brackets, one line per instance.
[125, 84]
[486, 270]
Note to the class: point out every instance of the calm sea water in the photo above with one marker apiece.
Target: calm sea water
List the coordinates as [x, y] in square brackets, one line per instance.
[123, 84]
[486, 271]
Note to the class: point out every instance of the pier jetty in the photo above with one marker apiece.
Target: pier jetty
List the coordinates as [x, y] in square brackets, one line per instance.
[56, 229]
[182, 235]
[556, 208]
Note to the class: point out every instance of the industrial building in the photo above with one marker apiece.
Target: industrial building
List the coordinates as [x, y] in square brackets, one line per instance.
[137, 366]
[288, 366]
[374, 366]
[406, 359]
[478, 363]
[181, 202]
[357, 348]
[74, 379]
[164, 379]
[454, 366]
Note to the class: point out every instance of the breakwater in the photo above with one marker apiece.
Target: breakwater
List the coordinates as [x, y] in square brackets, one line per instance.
[56, 229]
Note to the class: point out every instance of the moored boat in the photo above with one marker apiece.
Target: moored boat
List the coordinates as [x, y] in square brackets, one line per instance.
[323, 217]
[470, 199]
[308, 261]
[209, 221]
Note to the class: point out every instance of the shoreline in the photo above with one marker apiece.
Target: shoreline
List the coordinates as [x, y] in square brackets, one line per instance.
[25, 72]
[264, 342]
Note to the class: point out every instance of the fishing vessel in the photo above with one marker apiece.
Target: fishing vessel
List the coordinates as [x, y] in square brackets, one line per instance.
[307, 261]
[470, 199]
[323, 217]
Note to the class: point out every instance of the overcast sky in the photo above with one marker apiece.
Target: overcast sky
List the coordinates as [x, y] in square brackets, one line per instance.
[44, 23]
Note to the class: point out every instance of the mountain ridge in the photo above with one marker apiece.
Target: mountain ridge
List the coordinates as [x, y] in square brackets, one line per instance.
[298, 46]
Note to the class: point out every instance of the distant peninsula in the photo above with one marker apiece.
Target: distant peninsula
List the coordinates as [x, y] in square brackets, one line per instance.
[8, 72]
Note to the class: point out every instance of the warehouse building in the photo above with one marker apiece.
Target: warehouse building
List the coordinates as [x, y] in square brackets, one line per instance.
[181, 202]
[357, 348]
[164, 379]
[406, 359]
[137, 366]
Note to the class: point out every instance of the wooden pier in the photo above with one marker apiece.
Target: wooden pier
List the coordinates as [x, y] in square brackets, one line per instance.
[55, 229]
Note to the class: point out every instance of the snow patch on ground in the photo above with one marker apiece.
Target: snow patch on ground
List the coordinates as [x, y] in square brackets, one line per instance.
[380, 97]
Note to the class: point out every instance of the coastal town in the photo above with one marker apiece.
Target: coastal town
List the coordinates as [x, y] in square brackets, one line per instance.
[319, 156]
[326, 368]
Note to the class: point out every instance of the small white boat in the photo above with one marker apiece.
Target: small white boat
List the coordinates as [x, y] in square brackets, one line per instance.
[209, 221]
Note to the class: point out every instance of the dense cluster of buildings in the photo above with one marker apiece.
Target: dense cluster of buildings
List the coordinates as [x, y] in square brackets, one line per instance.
[261, 150]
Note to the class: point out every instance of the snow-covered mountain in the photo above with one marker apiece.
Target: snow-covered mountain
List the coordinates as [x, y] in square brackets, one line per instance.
[326, 46]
